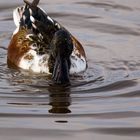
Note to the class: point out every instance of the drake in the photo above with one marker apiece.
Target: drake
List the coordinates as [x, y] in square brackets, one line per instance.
[40, 44]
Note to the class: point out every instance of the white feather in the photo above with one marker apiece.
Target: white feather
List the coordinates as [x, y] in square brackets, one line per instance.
[50, 19]
[32, 19]
[16, 17]
[37, 64]
[77, 64]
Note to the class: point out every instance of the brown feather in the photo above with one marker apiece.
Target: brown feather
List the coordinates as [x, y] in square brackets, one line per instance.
[18, 46]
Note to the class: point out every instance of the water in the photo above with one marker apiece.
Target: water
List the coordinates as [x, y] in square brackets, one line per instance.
[102, 103]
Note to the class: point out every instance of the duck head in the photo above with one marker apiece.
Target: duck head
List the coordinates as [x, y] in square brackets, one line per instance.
[59, 61]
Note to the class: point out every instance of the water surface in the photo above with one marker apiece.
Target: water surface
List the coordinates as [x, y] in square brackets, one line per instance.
[102, 103]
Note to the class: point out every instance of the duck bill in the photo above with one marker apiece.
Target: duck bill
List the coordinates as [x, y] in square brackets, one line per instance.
[61, 71]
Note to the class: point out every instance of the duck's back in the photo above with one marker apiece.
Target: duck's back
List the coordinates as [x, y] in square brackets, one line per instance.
[30, 45]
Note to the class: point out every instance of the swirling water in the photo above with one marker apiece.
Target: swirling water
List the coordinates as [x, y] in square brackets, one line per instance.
[102, 103]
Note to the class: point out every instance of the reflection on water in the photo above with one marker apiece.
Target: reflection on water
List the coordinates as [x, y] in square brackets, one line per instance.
[103, 102]
[59, 99]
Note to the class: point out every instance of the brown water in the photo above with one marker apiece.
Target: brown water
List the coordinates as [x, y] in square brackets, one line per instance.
[102, 103]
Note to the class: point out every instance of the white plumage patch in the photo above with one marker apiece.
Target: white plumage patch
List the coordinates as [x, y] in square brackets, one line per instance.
[77, 64]
[37, 63]
[56, 24]
[50, 19]
[17, 15]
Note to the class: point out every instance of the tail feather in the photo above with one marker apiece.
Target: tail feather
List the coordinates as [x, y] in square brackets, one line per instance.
[22, 16]
[47, 30]
[25, 20]
[36, 19]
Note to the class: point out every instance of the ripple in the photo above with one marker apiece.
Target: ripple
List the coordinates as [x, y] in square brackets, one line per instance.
[118, 131]
[103, 101]
[112, 29]
[106, 5]
[74, 15]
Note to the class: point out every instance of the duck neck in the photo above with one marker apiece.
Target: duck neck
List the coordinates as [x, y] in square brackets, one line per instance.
[61, 70]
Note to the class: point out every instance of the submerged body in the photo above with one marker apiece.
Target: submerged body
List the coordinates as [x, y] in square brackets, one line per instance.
[31, 44]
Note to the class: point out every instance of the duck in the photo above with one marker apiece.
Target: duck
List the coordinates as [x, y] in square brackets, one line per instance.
[42, 45]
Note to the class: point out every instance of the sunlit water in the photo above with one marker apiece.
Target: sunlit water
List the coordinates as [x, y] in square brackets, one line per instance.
[102, 103]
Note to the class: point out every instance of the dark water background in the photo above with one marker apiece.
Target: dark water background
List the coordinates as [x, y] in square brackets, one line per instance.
[102, 103]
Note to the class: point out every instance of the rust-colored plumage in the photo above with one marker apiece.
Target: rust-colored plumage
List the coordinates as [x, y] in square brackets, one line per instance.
[78, 47]
[18, 46]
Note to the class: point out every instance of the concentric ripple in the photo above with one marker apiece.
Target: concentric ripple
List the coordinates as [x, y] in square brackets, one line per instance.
[101, 103]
